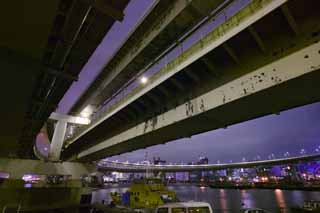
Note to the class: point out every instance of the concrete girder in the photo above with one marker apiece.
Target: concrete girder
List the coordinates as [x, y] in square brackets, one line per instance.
[122, 117]
[104, 8]
[145, 102]
[69, 119]
[234, 24]
[130, 113]
[231, 52]
[156, 28]
[290, 19]
[154, 98]
[137, 108]
[302, 62]
[134, 110]
[257, 38]
[210, 66]
[164, 91]
[61, 74]
[192, 75]
[177, 84]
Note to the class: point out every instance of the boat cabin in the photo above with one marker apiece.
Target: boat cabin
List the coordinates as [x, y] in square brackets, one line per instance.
[185, 207]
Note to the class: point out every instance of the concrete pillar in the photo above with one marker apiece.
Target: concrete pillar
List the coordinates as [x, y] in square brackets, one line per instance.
[57, 140]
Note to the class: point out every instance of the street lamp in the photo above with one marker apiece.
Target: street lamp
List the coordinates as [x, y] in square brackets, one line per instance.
[143, 80]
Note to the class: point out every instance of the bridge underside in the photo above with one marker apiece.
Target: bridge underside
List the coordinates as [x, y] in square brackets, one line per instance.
[269, 101]
[252, 64]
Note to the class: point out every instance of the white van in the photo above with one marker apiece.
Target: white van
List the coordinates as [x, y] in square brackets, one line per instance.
[185, 207]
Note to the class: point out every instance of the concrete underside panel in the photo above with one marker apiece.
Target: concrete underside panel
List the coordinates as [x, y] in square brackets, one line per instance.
[289, 82]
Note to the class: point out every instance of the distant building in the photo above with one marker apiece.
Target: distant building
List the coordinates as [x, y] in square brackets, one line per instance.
[203, 160]
[158, 161]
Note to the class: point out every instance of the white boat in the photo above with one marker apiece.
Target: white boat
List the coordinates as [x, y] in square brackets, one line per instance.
[185, 207]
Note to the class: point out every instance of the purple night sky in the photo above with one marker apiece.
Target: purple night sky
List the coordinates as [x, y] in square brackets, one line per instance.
[290, 131]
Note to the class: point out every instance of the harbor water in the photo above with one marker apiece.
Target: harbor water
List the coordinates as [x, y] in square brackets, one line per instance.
[229, 200]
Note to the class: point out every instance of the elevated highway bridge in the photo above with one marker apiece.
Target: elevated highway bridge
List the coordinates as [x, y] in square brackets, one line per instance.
[208, 64]
[259, 59]
[105, 165]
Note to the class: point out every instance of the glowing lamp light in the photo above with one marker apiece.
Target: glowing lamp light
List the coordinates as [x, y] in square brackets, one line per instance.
[86, 112]
[143, 80]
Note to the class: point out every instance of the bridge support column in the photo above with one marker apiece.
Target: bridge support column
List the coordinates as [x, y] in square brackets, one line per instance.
[57, 140]
[60, 131]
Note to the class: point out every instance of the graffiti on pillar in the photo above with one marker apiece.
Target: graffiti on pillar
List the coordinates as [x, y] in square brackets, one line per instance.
[189, 108]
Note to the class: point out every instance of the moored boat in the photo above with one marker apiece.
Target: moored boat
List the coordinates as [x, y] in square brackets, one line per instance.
[145, 193]
[185, 207]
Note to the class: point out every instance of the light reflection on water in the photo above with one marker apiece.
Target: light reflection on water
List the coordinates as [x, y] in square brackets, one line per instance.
[230, 200]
